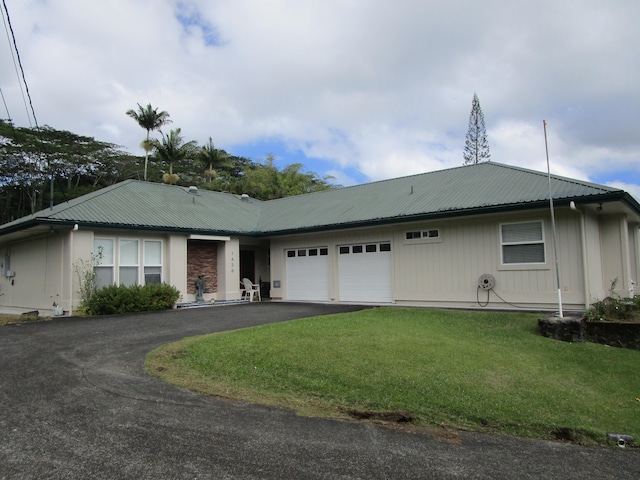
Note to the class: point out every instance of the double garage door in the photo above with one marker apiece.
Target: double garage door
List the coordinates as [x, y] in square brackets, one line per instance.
[364, 273]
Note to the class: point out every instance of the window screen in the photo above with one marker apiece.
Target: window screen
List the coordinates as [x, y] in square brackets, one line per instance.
[152, 262]
[128, 270]
[522, 243]
[104, 258]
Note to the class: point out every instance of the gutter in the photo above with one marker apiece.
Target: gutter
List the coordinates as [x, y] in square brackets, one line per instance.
[540, 204]
[585, 264]
[618, 195]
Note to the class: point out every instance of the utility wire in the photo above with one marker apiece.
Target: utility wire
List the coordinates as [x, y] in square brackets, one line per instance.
[17, 55]
[5, 105]
[26, 87]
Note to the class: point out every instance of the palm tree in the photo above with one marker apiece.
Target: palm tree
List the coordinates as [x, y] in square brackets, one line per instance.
[214, 158]
[150, 119]
[171, 148]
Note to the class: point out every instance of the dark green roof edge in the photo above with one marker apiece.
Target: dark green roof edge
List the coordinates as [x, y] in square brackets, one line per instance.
[619, 195]
[252, 213]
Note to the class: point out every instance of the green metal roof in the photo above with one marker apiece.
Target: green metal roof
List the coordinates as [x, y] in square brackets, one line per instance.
[482, 188]
[140, 205]
[479, 188]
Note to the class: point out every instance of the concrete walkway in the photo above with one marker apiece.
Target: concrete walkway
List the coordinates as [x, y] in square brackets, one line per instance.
[76, 403]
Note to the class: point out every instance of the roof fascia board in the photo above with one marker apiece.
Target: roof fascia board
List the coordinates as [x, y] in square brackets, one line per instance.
[537, 205]
[617, 195]
[209, 237]
[137, 228]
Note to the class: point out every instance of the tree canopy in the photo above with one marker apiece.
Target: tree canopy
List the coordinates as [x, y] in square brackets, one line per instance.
[31, 157]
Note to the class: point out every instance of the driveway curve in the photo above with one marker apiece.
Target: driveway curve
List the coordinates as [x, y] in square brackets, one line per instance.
[76, 403]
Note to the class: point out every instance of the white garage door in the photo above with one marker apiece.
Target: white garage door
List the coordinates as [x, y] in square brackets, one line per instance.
[308, 274]
[364, 272]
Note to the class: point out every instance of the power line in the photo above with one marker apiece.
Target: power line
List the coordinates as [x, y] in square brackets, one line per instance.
[5, 105]
[26, 86]
[17, 55]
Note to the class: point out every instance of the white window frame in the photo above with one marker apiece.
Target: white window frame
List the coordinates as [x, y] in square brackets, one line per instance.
[523, 265]
[99, 260]
[141, 264]
[130, 265]
[146, 264]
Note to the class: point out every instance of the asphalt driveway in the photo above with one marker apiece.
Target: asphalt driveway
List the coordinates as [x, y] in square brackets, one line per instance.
[76, 403]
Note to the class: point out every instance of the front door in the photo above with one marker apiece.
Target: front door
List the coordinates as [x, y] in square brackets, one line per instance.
[248, 265]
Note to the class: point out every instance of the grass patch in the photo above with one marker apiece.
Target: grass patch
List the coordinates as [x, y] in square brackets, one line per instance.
[479, 371]
[24, 318]
[4, 319]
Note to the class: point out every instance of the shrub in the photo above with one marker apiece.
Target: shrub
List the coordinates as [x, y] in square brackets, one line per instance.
[613, 309]
[135, 298]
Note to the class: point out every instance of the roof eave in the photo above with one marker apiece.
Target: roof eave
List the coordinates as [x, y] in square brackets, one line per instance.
[465, 212]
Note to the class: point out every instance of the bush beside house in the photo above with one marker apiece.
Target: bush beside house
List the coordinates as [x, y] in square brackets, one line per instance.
[135, 298]
[613, 321]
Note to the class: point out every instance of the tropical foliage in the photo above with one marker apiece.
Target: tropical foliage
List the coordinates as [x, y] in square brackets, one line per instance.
[150, 119]
[30, 159]
[172, 149]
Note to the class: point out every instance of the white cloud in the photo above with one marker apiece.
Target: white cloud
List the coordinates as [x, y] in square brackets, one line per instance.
[632, 189]
[376, 87]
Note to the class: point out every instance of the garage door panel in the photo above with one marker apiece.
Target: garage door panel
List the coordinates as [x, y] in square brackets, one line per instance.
[364, 273]
[307, 274]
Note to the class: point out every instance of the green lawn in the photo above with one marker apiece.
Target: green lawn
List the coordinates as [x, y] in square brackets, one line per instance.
[4, 319]
[482, 371]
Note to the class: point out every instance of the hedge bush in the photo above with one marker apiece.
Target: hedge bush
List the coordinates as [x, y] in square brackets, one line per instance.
[135, 298]
[613, 309]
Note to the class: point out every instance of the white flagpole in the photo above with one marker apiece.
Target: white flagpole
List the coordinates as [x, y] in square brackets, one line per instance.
[553, 224]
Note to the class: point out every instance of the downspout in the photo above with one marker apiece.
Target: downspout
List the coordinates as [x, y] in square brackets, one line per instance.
[626, 263]
[585, 264]
[71, 253]
[636, 250]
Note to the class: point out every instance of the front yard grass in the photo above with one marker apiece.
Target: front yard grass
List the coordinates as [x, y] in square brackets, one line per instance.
[478, 371]
[9, 318]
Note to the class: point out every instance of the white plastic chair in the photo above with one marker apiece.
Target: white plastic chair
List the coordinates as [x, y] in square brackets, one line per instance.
[250, 289]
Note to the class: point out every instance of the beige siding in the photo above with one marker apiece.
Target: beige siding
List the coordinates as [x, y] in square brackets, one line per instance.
[448, 272]
[615, 255]
[594, 267]
[175, 263]
[331, 240]
[38, 280]
[445, 272]
[229, 270]
[173, 259]
[440, 271]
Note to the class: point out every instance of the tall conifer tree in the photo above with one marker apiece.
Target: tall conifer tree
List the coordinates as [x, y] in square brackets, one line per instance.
[476, 146]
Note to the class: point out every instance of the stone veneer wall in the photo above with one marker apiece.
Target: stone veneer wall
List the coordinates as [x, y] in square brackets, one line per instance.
[202, 259]
[578, 330]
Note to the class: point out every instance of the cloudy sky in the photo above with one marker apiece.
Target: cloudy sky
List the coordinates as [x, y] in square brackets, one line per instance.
[359, 89]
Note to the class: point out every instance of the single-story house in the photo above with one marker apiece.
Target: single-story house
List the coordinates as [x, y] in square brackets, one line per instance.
[468, 237]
